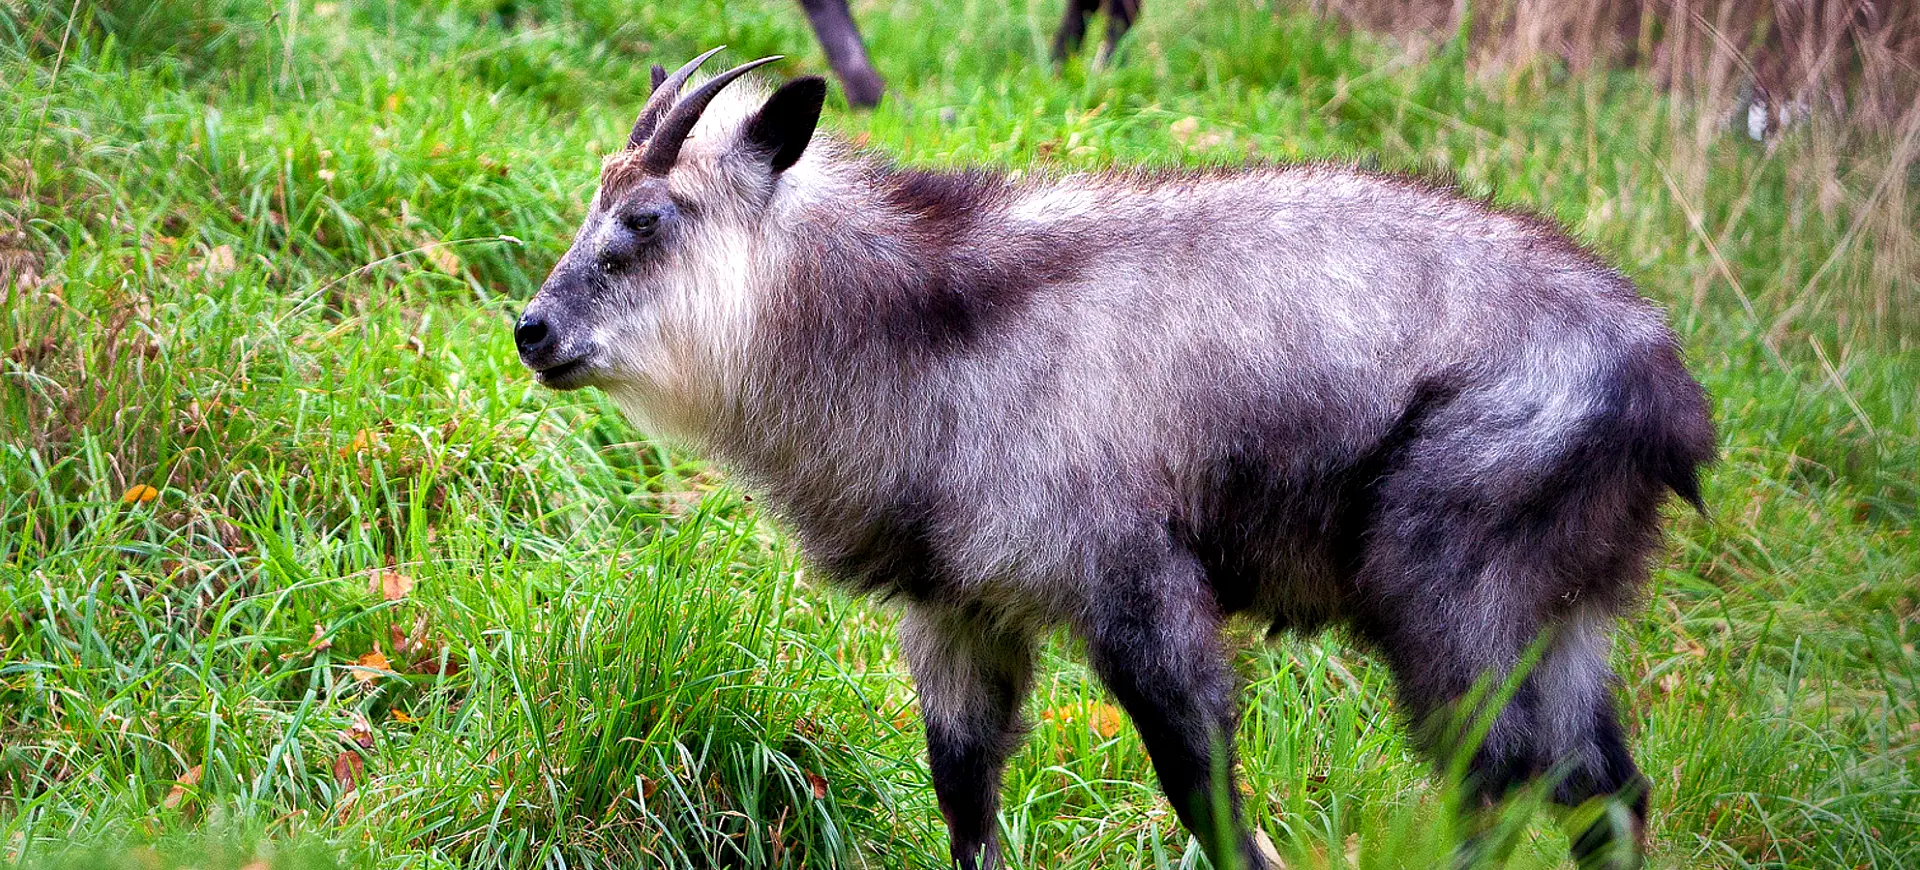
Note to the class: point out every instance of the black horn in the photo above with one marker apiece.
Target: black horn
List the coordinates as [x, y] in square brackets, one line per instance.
[665, 90]
[664, 147]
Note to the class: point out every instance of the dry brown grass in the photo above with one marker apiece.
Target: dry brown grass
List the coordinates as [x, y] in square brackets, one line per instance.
[1838, 79]
[1857, 59]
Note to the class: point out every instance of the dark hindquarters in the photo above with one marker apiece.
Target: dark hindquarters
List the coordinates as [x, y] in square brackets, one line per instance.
[1073, 26]
[846, 53]
[1153, 637]
[1120, 18]
[1491, 539]
[972, 676]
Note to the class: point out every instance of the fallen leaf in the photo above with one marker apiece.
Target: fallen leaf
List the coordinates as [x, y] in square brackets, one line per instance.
[400, 716]
[363, 441]
[320, 642]
[348, 768]
[431, 663]
[219, 261]
[179, 791]
[1104, 719]
[370, 667]
[139, 493]
[819, 784]
[359, 732]
[390, 585]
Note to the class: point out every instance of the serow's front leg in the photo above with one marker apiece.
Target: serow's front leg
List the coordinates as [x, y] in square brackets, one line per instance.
[972, 679]
[1154, 640]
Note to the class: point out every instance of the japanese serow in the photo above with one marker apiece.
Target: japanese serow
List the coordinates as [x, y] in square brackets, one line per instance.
[1137, 403]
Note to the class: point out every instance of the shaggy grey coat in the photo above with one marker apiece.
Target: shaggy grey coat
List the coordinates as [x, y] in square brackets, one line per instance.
[1136, 403]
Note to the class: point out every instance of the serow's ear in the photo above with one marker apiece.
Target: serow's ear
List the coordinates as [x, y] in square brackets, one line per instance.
[780, 131]
[658, 75]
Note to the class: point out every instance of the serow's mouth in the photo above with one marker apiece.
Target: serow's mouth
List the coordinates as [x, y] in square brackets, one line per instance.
[569, 375]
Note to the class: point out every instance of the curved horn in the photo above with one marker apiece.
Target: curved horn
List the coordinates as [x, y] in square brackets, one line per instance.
[664, 147]
[665, 91]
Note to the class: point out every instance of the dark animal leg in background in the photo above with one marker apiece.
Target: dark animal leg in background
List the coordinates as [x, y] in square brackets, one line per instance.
[833, 26]
[1155, 643]
[971, 680]
[1120, 17]
[1073, 28]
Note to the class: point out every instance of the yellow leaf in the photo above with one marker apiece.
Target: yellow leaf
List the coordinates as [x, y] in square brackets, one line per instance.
[139, 493]
[369, 667]
[401, 716]
[363, 441]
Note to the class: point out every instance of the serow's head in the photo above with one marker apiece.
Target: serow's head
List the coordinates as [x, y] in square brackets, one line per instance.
[656, 284]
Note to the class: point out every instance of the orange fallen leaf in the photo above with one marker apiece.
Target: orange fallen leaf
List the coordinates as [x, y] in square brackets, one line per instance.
[390, 585]
[179, 791]
[139, 493]
[370, 667]
[1104, 719]
[401, 716]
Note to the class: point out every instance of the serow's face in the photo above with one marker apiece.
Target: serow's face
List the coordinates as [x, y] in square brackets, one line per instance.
[597, 320]
[595, 303]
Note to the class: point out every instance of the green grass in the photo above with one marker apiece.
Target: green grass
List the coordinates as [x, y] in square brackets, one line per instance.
[263, 259]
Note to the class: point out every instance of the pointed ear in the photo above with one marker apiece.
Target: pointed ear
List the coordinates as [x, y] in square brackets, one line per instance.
[780, 131]
[659, 74]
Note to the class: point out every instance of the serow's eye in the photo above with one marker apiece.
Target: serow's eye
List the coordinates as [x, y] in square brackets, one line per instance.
[643, 224]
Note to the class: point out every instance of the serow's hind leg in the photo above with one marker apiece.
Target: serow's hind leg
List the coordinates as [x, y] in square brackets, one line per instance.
[1557, 725]
[1586, 753]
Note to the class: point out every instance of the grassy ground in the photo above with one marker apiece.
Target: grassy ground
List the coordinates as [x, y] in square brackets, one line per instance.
[297, 565]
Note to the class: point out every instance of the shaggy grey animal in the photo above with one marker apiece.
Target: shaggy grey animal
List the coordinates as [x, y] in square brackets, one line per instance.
[1137, 403]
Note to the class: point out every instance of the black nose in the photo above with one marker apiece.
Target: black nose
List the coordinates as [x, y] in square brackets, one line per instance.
[532, 336]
